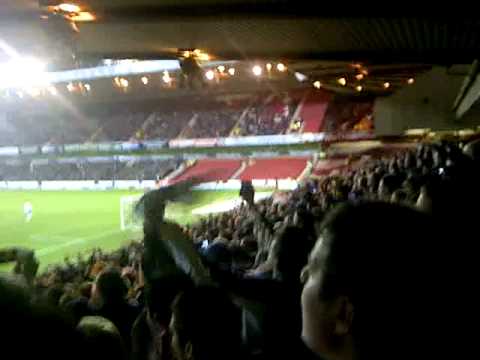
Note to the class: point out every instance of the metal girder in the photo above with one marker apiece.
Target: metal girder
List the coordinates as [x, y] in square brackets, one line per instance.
[469, 92]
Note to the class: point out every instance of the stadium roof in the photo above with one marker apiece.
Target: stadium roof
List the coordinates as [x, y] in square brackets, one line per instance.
[321, 41]
[238, 29]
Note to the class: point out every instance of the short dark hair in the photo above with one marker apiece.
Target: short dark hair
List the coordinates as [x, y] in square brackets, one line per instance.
[377, 254]
[206, 317]
[292, 247]
[160, 293]
[111, 286]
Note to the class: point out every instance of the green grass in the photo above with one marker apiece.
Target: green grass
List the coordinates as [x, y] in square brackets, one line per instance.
[66, 223]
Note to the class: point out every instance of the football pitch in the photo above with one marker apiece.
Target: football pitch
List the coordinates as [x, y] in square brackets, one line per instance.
[66, 223]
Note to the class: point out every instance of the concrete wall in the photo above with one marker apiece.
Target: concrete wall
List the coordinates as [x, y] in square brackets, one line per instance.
[425, 104]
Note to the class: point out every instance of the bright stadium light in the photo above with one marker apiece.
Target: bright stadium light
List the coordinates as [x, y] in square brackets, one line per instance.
[410, 81]
[166, 77]
[231, 71]
[34, 92]
[70, 8]
[210, 75]
[386, 85]
[52, 90]
[300, 77]
[83, 16]
[22, 72]
[342, 81]
[257, 70]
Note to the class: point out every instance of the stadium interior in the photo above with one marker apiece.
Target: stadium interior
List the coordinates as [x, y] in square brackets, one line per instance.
[178, 178]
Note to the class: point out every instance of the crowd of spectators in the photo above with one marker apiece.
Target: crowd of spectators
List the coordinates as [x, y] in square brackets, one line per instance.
[369, 264]
[212, 124]
[269, 116]
[199, 118]
[346, 115]
[83, 169]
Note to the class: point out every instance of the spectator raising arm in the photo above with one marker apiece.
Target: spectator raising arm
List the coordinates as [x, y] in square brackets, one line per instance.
[167, 249]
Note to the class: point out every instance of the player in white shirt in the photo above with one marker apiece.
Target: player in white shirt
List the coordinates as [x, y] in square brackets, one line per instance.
[27, 211]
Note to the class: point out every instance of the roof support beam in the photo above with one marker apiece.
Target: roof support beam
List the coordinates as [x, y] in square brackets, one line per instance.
[469, 92]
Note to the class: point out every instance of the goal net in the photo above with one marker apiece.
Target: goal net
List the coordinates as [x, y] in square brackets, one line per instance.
[129, 220]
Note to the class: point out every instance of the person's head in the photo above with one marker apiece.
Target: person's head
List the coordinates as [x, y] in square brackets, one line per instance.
[290, 253]
[387, 186]
[472, 150]
[160, 293]
[205, 325]
[102, 338]
[399, 197]
[109, 288]
[31, 328]
[365, 295]
[53, 295]
[438, 156]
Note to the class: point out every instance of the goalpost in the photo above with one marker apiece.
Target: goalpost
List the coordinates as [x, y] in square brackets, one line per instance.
[129, 220]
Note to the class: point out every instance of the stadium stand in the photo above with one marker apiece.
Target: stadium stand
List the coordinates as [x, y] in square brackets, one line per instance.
[145, 169]
[313, 111]
[275, 168]
[346, 115]
[16, 170]
[210, 170]
[270, 114]
[268, 245]
[85, 169]
[260, 114]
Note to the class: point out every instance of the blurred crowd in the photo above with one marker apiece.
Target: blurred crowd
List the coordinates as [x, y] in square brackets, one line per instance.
[184, 118]
[269, 116]
[372, 263]
[83, 169]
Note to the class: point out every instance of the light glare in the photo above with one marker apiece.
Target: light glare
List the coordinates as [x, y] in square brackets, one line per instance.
[210, 75]
[52, 90]
[70, 8]
[22, 73]
[83, 16]
[166, 77]
[257, 70]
